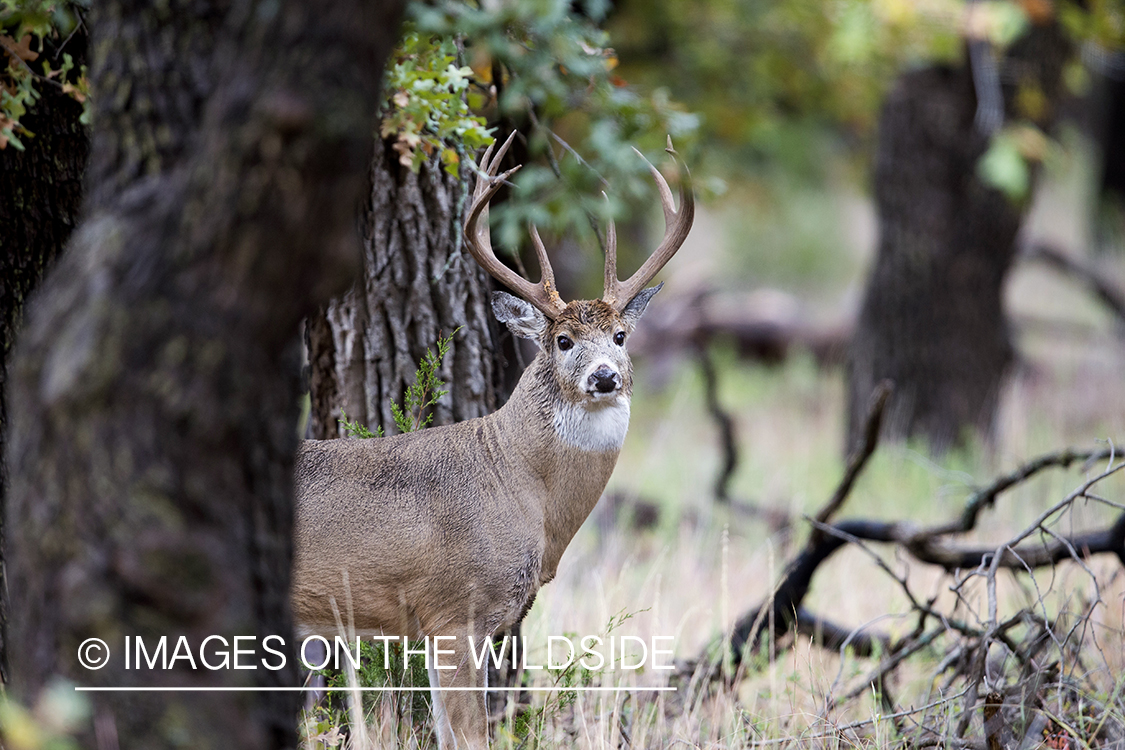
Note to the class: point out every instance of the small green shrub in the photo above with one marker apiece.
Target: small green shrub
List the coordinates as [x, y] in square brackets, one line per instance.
[424, 393]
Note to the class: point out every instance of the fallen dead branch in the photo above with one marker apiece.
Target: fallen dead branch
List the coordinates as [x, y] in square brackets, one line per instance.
[765, 325]
[785, 609]
[1008, 666]
[724, 424]
[1101, 286]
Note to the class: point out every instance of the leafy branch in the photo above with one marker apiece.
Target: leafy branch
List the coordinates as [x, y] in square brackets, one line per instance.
[357, 429]
[24, 24]
[550, 72]
[427, 109]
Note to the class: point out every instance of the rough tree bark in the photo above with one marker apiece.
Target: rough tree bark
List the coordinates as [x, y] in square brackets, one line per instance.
[40, 195]
[154, 389]
[417, 284]
[932, 320]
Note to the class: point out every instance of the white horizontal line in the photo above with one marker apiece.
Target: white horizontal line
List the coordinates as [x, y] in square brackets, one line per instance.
[371, 689]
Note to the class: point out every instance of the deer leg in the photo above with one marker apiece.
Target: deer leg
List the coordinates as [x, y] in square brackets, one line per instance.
[316, 653]
[460, 716]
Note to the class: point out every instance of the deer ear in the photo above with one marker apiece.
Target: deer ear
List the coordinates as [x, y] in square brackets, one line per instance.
[637, 306]
[522, 319]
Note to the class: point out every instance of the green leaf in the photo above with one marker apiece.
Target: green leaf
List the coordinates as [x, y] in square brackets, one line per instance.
[1008, 22]
[13, 141]
[1003, 167]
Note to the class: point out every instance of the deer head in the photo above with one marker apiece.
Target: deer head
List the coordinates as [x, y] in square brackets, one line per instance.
[585, 339]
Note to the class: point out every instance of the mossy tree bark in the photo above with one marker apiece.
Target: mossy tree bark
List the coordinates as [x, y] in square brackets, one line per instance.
[932, 319]
[417, 284]
[40, 195]
[154, 389]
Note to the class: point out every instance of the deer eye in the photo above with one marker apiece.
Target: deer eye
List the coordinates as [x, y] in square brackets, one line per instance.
[619, 338]
[564, 343]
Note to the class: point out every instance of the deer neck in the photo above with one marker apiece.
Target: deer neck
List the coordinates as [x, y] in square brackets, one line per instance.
[568, 449]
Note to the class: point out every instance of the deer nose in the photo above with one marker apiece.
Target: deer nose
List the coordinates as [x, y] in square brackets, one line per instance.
[604, 380]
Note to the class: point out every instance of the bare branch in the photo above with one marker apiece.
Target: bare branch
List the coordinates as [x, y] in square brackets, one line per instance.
[860, 453]
[784, 608]
[1103, 288]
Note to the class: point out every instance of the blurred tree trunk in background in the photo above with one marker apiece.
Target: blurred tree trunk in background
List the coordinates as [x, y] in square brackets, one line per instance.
[1109, 226]
[417, 284]
[154, 391]
[40, 194]
[932, 319]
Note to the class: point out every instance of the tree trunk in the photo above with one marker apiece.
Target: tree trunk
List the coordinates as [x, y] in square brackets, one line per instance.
[40, 194]
[417, 285]
[932, 319]
[154, 390]
[1109, 227]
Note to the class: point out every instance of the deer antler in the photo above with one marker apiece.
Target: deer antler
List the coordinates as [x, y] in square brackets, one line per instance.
[543, 295]
[677, 225]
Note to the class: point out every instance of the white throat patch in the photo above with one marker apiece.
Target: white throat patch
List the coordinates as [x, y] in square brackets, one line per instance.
[599, 429]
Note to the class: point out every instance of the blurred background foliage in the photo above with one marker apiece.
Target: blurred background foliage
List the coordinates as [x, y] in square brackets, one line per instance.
[762, 92]
[773, 103]
[766, 99]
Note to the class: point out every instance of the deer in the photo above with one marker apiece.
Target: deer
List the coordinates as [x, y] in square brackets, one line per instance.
[452, 530]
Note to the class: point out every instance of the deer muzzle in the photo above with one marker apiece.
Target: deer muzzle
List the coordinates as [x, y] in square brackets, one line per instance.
[603, 380]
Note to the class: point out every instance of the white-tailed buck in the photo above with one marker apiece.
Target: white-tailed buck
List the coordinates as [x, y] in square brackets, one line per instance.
[452, 530]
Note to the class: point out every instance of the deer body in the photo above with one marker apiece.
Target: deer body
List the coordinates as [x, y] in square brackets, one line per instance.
[452, 530]
[413, 519]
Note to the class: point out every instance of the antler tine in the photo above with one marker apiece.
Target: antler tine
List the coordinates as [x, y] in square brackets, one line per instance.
[677, 225]
[610, 256]
[547, 273]
[543, 295]
[490, 168]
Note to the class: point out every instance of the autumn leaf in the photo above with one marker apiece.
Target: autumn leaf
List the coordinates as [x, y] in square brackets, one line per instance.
[482, 66]
[75, 92]
[405, 152]
[1039, 11]
[21, 50]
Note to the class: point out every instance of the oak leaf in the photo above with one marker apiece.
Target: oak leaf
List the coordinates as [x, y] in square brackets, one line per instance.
[22, 50]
